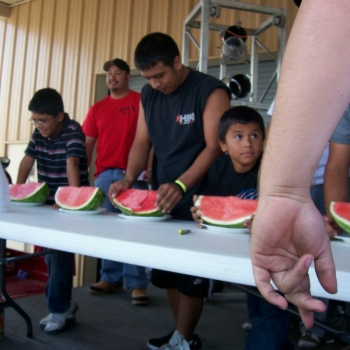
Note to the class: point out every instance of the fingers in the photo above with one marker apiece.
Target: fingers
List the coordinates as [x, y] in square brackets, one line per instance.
[325, 270]
[262, 280]
[168, 196]
[116, 187]
[196, 215]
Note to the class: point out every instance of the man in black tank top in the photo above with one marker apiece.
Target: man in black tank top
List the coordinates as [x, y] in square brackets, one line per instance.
[179, 114]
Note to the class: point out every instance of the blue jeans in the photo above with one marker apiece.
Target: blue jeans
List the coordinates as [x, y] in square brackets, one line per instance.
[112, 271]
[59, 286]
[270, 326]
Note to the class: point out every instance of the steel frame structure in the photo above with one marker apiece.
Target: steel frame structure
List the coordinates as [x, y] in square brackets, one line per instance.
[212, 8]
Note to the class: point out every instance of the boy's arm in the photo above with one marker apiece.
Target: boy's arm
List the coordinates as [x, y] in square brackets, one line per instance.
[24, 169]
[218, 103]
[73, 171]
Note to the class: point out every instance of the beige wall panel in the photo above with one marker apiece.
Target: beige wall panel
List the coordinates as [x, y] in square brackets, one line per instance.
[45, 44]
[86, 59]
[70, 82]
[59, 38]
[3, 115]
[30, 68]
[7, 76]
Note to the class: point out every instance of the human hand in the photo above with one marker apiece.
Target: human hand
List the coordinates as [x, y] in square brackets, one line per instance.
[168, 196]
[196, 215]
[287, 236]
[116, 187]
[332, 227]
[248, 224]
[55, 207]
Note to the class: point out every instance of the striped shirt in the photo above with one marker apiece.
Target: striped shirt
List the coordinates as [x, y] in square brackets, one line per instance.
[51, 155]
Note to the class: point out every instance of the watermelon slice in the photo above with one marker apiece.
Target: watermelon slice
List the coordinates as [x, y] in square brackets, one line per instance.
[341, 214]
[226, 211]
[33, 192]
[138, 202]
[79, 198]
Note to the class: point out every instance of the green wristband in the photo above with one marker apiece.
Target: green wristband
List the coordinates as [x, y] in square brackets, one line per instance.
[181, 185]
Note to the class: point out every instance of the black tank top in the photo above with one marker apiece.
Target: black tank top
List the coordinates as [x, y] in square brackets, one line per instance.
[175, 126]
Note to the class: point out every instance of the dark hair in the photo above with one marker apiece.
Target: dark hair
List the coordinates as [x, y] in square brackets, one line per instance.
[154, 48]
[47, 101]
[239, 115]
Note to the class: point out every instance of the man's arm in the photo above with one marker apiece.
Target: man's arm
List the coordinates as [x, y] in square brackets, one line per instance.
[24, 169]
[73, 171]
[138, 157]
[90, 143]
[288, 233]
[170, 194]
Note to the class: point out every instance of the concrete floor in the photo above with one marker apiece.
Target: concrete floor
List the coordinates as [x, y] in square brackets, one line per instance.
[112, 322]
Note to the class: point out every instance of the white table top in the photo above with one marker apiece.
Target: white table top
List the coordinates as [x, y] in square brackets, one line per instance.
[201, 253]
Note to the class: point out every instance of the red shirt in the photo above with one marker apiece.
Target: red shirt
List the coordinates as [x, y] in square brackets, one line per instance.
[113, 123]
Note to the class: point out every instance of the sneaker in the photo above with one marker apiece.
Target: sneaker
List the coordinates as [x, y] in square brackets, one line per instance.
[56, 322]
[247, 326]
[176, 342]
[104, 287]
[156, 343]
[308, 340]
[139, 297]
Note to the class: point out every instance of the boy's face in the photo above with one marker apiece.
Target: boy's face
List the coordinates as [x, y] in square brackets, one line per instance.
[244, 144]
[166, 79]
[47, 124]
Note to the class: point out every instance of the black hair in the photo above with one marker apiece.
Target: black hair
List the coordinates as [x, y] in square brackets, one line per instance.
[47, 101]
[239, 115]
[154, 48]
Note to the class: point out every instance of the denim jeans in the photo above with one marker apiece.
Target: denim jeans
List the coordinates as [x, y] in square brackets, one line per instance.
[112, 271]
[59, 286]
[270, 326]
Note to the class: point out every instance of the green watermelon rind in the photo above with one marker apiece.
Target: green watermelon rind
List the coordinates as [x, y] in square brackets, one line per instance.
[343, 223]
[127, 211]
[39, 196]
[229, 224]
[95, 201]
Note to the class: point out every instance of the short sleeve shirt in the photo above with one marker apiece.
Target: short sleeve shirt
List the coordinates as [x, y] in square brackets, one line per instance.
[341, 133]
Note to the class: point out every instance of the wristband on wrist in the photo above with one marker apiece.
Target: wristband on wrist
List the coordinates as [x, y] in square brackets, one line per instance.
[181, 185]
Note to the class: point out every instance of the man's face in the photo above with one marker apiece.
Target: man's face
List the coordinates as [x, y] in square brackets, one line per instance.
[163, 78]
[116, 79]
[47, 124]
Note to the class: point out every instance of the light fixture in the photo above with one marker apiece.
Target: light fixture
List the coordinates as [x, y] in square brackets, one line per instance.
[239, 85]
[233, 42]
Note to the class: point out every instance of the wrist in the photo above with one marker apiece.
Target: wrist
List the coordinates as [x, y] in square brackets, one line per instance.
[181, 186]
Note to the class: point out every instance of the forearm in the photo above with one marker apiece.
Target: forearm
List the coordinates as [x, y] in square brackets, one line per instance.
[200, 167]
[73, 172]
[306, 113]
[24, 169]
[138, 158]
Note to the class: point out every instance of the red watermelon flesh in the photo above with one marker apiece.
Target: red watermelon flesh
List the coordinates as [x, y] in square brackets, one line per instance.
[341, 214]
[79, 198]
[226, 211]
[138, 202]
[33, 192]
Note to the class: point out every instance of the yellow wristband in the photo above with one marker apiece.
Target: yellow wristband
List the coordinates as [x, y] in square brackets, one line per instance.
[182, 185]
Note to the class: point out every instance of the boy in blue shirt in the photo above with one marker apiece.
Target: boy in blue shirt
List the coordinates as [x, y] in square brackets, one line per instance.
[58, 146]
[241, 137]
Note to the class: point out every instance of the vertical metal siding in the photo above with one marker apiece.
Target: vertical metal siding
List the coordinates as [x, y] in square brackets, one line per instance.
[64, 43]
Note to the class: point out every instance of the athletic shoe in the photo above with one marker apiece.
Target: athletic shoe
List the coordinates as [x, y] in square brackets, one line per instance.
[176, 342]
[156, 343]
[104, 287]
[56, 322]
[308, 340]
[139, 297]
[247, 326]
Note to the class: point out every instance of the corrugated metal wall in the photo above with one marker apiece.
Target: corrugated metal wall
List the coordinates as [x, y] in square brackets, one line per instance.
[63, 44]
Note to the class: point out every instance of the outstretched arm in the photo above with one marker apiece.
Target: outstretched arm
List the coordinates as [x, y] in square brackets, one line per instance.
[288, 233]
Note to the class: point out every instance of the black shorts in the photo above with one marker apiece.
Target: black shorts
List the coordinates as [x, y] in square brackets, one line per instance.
[191, 286]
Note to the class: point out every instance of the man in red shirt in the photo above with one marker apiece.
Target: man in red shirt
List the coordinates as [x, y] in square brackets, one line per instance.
[112, 122]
